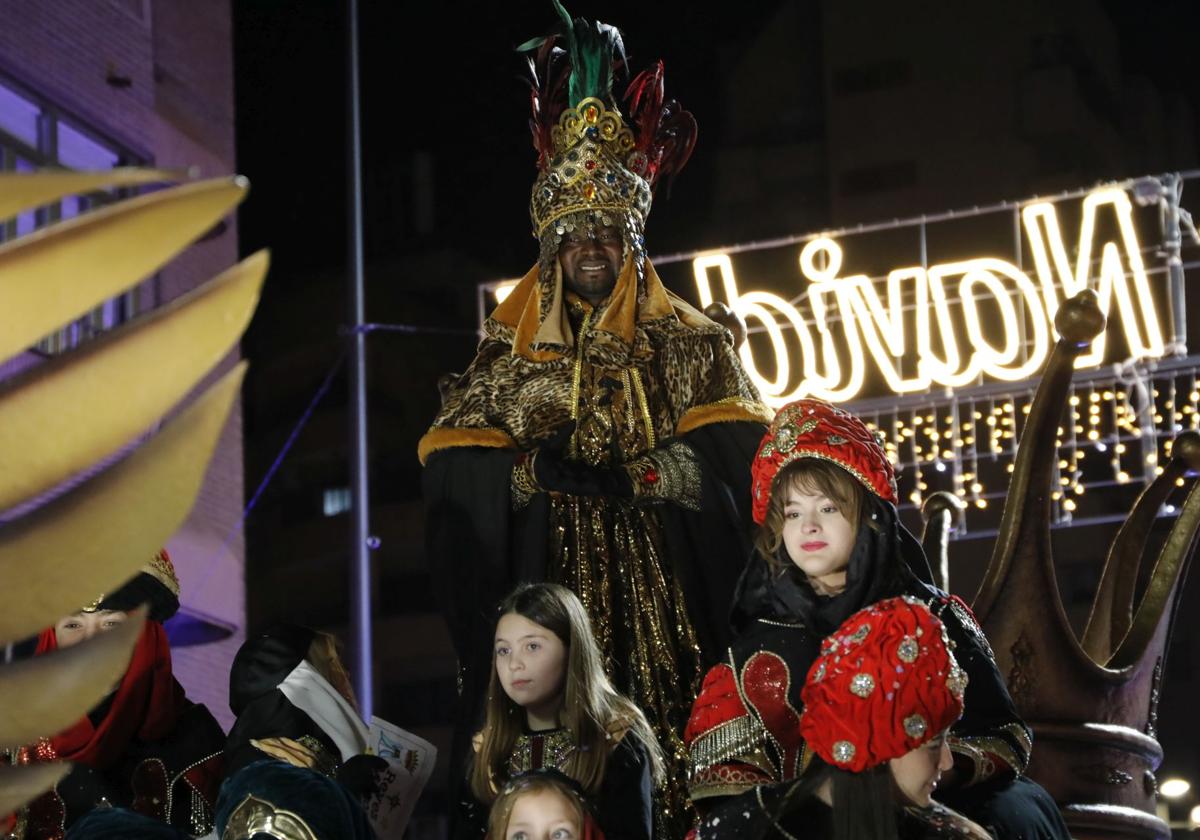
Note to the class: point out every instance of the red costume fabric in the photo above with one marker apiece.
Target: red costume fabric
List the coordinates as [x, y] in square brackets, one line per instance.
[884, 684]
[146, 706]
[815, 429]
[721, 725]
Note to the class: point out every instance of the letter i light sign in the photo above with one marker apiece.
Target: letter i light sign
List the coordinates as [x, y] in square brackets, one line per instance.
[951, 323]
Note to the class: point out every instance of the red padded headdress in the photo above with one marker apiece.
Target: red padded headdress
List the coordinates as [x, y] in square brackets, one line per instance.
[884, 684]
[816, 429]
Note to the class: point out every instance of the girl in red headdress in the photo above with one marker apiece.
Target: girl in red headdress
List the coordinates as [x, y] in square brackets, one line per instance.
[878, 705]
[145, 746]
[829, 544]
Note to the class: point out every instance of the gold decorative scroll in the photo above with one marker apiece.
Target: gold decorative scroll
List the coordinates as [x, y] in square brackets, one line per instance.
[96, 536]
[62, 271]
[22, 191]
[56, 422]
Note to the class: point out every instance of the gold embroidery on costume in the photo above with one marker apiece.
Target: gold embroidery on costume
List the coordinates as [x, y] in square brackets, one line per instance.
[610, 552]
[980, 748]
[576, 374]
[523, 485]
[728, 779]
[972, 627]
[668, 474]
[734, 739]
[543, 749]
[1024, 738]
[641, 397]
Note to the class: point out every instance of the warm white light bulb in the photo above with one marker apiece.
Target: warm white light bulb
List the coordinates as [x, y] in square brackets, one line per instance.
[1174, 788]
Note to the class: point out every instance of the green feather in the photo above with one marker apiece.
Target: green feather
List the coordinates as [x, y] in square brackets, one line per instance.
[532, 44]
[590, 47]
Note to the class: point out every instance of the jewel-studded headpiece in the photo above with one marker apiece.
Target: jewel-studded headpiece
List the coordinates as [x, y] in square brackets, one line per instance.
[815, 429]
[590, 160]
[884, 684]
[156, 585]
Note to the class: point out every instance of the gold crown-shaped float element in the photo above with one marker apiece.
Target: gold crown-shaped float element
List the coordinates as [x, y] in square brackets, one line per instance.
[595, 166]
[1092, 700]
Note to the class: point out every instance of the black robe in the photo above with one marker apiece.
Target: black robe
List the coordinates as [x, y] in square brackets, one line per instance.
[263, 711]
[755, 815]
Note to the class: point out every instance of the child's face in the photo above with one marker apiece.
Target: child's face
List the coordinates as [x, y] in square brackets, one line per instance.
[542, 815]
[530, 662]
[818, 538]
[81, 626]
[917, 771]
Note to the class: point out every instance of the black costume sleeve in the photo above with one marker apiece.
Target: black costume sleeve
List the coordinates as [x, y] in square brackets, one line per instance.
[624, 804]
[271, 715]
[472, 540]
[727, 450]
[709, 546]
[990, 741]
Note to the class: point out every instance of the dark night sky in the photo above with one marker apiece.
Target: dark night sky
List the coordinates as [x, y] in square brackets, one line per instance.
[448, 83]
[444, 79]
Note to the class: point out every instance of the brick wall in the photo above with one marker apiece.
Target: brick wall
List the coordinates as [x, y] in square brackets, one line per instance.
[157, 77]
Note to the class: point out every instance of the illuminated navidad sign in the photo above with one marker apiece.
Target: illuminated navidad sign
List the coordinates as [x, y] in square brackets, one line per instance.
[981, 317]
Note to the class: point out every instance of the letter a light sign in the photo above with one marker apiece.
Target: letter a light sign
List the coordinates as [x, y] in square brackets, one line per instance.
[946, 324]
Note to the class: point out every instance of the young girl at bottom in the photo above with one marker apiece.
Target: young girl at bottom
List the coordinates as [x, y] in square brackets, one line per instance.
[878, 705]
[830, 543]
[542, 805]
[550, 705]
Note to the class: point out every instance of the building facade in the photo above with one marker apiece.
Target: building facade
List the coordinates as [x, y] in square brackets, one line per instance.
[90, 84]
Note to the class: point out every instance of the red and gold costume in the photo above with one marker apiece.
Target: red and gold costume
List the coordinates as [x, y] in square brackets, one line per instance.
[744, 727]
[885, 683]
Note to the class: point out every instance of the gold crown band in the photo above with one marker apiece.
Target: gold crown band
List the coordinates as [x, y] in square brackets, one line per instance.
[595, 167]
[160, 568]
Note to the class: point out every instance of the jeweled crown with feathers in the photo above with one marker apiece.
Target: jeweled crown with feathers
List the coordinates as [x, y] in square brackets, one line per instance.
[589, 157]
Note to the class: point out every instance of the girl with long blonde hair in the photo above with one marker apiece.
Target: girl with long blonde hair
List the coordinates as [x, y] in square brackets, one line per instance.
[551, 705]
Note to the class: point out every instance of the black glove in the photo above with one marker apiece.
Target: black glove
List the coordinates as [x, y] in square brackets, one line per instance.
[554, 472]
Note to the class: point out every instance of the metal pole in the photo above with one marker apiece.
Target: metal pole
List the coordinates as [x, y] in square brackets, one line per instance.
[360, 558]
[1172, 243]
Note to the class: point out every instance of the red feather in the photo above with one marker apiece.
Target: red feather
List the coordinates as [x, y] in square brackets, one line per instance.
[663, 130]
[549, 72]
